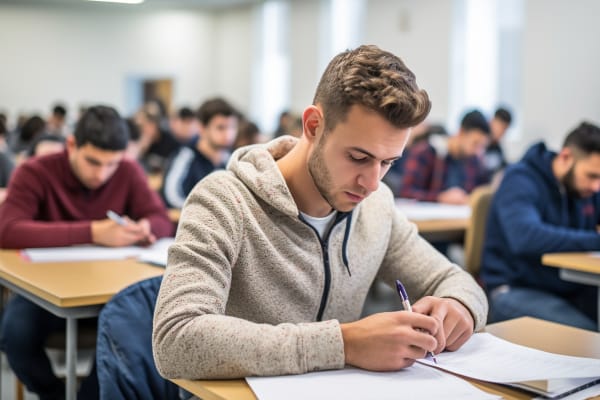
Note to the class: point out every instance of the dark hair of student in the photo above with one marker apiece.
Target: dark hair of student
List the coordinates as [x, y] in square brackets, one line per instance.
[43, 138]
[374, 79]
[186, 113]
[504, 115]
[102, 127]
[584, 139]
[213, 107]
[134, 129]
[59, 110]
[474, 120]
[32, 127]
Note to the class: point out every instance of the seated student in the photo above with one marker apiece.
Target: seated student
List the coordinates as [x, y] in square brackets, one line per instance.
[270, 270]
[547, 202]
[218, 129]
[46, 144]
[184, 126]
[493, 158]
[447, 169]
[156, 143]
[61, 200]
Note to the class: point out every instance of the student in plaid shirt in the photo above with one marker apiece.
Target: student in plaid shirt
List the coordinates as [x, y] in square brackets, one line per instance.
[447, 169]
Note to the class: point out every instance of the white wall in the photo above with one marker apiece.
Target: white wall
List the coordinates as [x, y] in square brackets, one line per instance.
[76, 55]
[561, 64]
[418, 31]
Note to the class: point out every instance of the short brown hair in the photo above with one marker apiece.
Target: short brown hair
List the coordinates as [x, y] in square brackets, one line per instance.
[375, 79]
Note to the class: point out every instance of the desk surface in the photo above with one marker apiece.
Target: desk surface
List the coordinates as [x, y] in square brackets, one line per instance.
[73, 284]
[586, 262]
[526, 331]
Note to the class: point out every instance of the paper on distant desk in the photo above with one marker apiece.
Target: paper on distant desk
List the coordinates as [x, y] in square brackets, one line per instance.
[416, 382]
[422, 210]
[489, 358]
[156, 253]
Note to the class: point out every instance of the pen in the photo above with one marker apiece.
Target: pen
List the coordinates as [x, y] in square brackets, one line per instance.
[116, 217]
[406, 304]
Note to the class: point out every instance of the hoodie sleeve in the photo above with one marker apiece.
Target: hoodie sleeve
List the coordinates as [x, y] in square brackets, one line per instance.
[426, 272]
[192, 338]
[517, 204]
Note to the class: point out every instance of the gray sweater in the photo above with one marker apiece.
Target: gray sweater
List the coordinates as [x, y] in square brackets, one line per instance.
[250, 290]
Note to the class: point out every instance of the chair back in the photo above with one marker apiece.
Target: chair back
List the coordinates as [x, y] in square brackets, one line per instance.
[480, 200]
[124, 360]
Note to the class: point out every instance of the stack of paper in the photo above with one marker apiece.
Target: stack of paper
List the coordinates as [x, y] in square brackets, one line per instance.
[154, 254]
[422, 210]
[484, 357]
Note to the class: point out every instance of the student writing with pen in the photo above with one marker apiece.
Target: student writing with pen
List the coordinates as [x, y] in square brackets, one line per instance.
[62, 200]
[269, 274]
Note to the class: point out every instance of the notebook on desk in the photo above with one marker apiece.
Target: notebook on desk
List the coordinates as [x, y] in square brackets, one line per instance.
[155, 254]
[488, 358]
[484, 357]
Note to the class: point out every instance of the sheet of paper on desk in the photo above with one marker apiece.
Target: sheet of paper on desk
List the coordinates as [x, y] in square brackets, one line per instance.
[488, 358]
[416, 382]
[95, 253]
[157, 253]
[422, 210]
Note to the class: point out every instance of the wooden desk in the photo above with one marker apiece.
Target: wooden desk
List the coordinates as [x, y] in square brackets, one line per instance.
[526, 331]
[577, 267]
[70, 290]
[443, 230]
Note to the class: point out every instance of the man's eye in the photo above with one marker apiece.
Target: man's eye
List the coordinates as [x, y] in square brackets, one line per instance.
[357, 159]
[388, 163]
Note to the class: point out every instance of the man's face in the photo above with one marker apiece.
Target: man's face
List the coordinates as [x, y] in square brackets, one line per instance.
[473, 143]
[498, 128]
[220, 132]
[582, 180]
[347, 163]
[93, 166]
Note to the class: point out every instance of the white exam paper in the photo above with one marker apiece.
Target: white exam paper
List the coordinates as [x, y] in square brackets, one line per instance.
[416, 382]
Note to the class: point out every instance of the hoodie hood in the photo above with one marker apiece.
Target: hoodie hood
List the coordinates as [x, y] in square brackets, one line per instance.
[256, 166]
[540, 159]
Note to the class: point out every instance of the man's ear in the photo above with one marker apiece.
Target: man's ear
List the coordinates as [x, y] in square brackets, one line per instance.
[566, 157]
[70, 143]
[312, 123]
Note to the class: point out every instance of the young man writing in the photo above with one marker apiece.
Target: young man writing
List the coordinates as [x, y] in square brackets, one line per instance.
[61, 200]
[274, 257]
[548, 202]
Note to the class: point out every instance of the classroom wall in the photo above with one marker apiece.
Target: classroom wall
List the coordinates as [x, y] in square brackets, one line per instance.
[418, 31]
[561, 83]
[75, 55]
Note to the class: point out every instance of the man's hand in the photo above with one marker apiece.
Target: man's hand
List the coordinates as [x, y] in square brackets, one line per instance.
[454, 195]
[107, 232]
[389, 341]
[455, 321]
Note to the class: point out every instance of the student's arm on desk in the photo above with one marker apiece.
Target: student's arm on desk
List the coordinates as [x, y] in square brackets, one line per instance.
[517, 212]
[440, 288]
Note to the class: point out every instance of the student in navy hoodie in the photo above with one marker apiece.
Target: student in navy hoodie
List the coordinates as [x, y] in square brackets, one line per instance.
[548, 202]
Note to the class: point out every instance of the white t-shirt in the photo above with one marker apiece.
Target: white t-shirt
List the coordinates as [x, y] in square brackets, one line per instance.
[321, 224]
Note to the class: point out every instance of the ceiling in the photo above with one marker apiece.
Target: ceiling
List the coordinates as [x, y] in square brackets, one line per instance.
[201, 4]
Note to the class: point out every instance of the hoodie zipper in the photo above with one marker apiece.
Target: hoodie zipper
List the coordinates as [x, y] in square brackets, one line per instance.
[326, 265]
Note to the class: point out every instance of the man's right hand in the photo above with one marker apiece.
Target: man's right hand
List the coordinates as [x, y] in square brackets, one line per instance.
[454, 195]
[107, 232]
[389, 341]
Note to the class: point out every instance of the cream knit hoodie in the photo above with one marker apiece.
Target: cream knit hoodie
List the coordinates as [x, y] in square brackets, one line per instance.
[250, 289]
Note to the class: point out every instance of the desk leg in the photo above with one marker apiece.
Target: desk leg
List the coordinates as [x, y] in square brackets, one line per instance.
[71, 358]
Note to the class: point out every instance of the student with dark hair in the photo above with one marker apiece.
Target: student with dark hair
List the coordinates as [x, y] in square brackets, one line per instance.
[547, 202]
[57, 122]
[32, 128]
[447, 169]
[210, 151]
[493, 159]
[275, 256]
[184, 126]
[248, 133]
[62, 200]
[156, 142]
[46, 144]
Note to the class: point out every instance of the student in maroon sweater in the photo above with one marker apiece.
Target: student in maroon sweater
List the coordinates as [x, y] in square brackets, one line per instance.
[61, 200]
